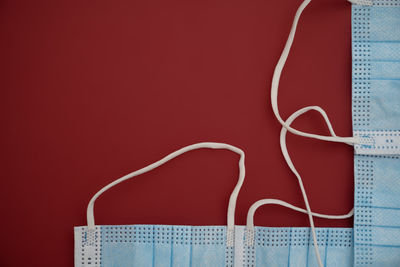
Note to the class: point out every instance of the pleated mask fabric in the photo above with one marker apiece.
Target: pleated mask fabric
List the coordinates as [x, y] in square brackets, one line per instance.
[376, 120]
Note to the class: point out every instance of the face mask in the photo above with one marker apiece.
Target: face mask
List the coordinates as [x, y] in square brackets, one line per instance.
[157, 245]
[376, 120]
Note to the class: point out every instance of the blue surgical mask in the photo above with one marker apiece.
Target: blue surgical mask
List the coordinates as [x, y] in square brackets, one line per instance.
[158, 245]
[376, 121]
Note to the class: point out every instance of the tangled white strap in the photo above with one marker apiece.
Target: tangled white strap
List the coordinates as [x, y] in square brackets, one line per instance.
[275, 86]
[253, 208]
[286, 127]
[232, 199]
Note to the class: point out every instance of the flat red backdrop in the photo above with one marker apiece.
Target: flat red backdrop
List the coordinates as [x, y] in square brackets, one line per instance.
[92, 90]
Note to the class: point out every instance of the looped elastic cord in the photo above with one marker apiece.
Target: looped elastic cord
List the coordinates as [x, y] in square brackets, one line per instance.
[275, 86]
[271, 201]
[253, 208]
[232, 199]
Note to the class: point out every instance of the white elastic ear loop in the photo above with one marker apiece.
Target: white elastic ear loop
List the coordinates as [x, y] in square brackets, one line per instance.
[271, 201]
[275, 86]
[232, 199]
[250, 215]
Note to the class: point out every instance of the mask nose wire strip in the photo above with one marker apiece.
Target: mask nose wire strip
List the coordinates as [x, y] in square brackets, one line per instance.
[275, 86]
[362, 2]
[232, 199]
[250, 214]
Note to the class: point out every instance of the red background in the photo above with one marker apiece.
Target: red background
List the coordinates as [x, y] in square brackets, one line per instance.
[92, 90]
